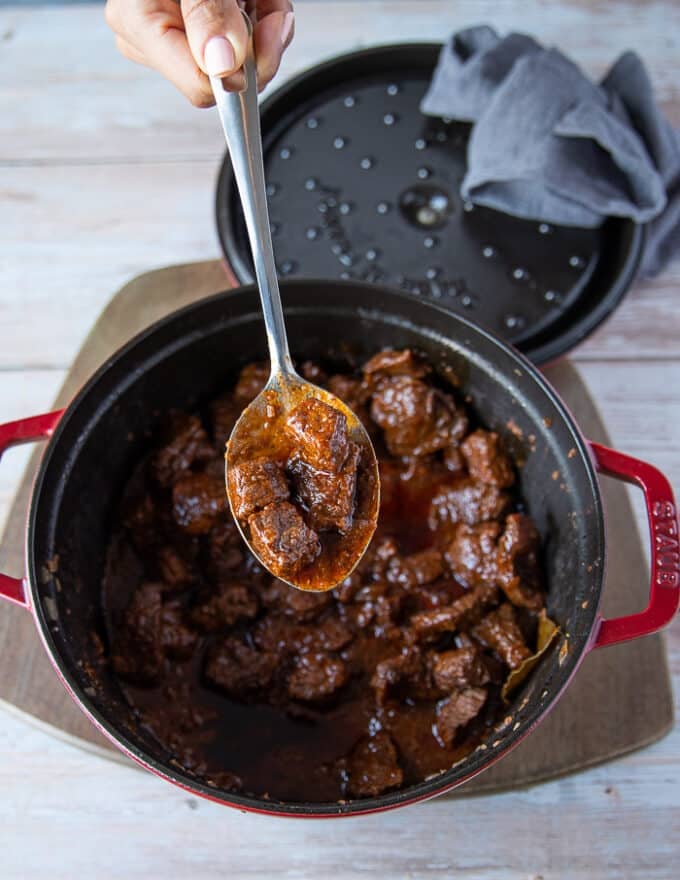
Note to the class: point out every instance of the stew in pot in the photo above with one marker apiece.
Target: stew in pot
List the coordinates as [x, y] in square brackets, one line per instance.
[301, 696]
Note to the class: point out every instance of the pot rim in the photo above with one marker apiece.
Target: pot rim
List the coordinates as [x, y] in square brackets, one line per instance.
[424, 790]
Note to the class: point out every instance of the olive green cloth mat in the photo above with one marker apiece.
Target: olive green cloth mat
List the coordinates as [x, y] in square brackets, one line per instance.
[620, 699]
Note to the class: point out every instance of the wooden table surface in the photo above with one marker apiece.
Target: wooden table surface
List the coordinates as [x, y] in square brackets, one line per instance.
[106, 172]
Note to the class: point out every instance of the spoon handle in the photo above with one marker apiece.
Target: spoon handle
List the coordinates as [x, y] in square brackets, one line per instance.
[241, 123]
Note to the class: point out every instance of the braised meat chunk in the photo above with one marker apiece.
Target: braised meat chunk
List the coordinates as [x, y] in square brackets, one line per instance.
[189, 445]
[459, 668]
[320, 434]
[198, 501]
[416, 418]
[178, 639]
[472, 554]
[140, 516]
[484, 554]
[351, 391]
[460, 614]
[415, 570]
[328, 498]
[457, 711]
[409, 674]
[469, 501]
[175, 570]
[454, 461]
[296, 604]
[518, 568]
[220, 609]
[137, 652]
[316, 677]
[238, 669]
[486, 460]
[330, 635]
[225, 412]
[373, 767]
[282, 539]
[225, 551]
[313, 373]
[500, 632]
[395, 363]
[255, 484]
[251, 380]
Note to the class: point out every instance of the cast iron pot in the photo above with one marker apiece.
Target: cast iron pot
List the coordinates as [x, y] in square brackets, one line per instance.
[192, 355]
[611, 254]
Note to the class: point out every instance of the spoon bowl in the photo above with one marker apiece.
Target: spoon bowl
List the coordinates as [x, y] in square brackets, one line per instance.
[260, 435]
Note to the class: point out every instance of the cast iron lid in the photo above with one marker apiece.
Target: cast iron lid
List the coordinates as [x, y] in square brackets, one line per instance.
[362, 186]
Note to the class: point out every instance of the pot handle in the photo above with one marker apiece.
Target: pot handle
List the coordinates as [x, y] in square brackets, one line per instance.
[664, 593]
[12, 434]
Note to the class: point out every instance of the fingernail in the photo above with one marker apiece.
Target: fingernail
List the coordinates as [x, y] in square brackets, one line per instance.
[218, 56]
[287, 27]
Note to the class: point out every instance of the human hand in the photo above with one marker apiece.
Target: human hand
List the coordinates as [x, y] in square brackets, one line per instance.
[189, 40]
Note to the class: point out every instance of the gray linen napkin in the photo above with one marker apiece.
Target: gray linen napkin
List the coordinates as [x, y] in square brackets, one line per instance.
[549, 144]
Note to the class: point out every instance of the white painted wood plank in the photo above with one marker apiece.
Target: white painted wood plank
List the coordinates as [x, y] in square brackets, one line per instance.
[68, 814]
[77, 233]
[645, 326]
[640, 405]
[76, 97]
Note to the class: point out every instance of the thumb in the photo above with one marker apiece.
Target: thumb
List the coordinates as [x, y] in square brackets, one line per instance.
[217, 35]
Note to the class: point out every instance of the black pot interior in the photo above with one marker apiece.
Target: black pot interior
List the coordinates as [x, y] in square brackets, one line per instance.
[191, 356]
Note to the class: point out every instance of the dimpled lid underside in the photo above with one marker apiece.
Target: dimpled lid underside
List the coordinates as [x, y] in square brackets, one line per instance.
[363, 186]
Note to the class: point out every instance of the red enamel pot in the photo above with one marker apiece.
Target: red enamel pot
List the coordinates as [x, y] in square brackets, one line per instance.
[190, 356]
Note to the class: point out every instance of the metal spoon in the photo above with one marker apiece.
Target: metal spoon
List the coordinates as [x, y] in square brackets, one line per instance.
[254, 432]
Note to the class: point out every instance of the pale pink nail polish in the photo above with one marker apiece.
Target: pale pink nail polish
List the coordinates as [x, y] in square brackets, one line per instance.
[218, 56]
[287, 27]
